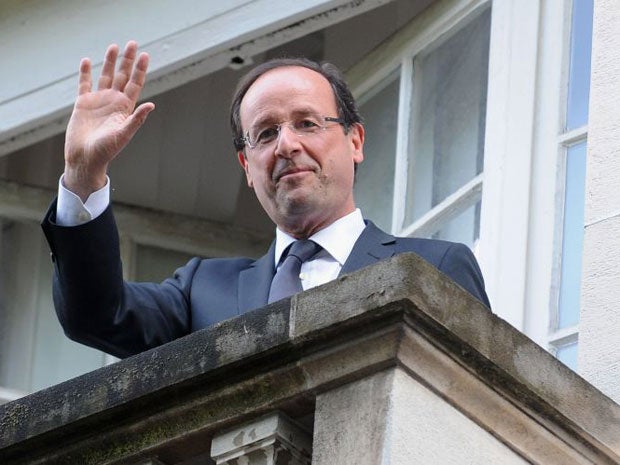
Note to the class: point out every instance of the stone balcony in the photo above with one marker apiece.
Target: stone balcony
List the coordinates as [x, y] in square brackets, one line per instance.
[394, 364]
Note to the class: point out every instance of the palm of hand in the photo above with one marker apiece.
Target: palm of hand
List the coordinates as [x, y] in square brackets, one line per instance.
[97, 128]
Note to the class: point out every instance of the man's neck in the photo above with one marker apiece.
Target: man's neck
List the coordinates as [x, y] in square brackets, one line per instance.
[338, 238]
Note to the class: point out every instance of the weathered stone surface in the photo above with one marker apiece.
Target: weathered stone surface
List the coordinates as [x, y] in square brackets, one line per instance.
[390, 417]
[502, 356]
[351, 422]
[169, 402]
[146, 383]
[272, 439]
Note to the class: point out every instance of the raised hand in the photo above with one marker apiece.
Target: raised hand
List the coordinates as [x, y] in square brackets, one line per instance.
[104, 121]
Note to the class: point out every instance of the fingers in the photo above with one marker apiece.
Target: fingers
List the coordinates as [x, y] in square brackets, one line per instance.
[127, 78]
[85, 79]
[124, 70]
[109, 63]
[138, 77]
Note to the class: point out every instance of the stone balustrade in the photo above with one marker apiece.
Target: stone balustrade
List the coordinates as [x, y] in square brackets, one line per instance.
[392, 364]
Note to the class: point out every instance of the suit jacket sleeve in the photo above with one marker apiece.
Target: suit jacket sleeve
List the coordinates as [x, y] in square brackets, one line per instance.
[453, 259]
[96, 307]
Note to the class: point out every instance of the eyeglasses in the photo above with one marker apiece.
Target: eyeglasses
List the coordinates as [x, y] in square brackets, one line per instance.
[262, 137]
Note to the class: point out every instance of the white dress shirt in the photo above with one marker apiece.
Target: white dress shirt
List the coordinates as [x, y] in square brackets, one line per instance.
[71, 211]
[337, 239]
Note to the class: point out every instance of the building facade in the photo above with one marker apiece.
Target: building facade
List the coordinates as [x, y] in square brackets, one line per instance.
[481, 128]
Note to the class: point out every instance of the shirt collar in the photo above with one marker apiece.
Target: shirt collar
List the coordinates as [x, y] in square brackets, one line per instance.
[337, 239]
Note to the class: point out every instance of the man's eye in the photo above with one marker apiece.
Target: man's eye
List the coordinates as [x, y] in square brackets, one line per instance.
[307, 124]
[267, 135]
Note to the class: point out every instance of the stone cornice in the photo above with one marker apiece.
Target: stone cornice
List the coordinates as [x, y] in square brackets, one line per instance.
[399, 314]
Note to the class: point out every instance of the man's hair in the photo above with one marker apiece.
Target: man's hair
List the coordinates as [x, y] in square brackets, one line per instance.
[347, 108]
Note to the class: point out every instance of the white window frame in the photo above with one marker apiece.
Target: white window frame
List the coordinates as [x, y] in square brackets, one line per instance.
[524, 153]
[525, 162]
[559, 337]
[421, 34]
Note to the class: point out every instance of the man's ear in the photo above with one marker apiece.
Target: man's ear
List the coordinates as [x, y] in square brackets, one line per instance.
[356, 133]
[243, 161]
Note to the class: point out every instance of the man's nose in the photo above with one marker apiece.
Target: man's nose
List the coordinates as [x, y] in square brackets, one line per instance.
[288, 142]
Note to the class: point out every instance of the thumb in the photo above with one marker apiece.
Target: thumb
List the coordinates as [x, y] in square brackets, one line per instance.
[137, 118]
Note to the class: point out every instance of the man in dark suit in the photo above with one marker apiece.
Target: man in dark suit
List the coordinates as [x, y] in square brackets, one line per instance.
[299, 138]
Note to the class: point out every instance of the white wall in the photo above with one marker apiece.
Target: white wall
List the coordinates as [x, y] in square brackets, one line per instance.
[599, 357]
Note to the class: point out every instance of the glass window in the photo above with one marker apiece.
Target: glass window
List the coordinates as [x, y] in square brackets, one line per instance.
[374, 184]
[580, 57]
[574, 142]
[572, 242]
[448, 117]
[464, 228]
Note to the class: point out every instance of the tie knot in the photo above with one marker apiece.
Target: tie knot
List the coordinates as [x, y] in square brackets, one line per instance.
[304, 249]
[286, 281]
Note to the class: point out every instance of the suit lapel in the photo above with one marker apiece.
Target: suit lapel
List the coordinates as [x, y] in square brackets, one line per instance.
[254, 282]
[372, 245]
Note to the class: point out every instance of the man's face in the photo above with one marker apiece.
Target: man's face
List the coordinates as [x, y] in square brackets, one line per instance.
[304, 183]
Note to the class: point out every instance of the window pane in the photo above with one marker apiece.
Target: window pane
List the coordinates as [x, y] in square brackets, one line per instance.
[448, 117]
[567, 354]
[464, 228]
[374, 185]
[580, 55]
[572, 242]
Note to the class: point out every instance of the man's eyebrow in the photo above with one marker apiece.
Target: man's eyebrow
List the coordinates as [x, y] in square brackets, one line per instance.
[305, 111]
[270, 118]
[263, 120]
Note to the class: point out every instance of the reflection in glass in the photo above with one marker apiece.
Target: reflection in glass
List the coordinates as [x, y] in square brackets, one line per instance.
[448, 117]
[580, 56]
[464, 228]
[572, 242]
[374, 185]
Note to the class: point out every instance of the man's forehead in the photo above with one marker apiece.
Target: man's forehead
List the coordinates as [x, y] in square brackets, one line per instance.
[284, 72]
[287, 89]
[288, 81]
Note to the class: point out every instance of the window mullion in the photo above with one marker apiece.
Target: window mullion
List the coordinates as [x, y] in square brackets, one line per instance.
[449, 208]
[574, 136]
[563, 336]
[402, 142]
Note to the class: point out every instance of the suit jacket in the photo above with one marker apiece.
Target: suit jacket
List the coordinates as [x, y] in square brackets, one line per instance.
[98, 308]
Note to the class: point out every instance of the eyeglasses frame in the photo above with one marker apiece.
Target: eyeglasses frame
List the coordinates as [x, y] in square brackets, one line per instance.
[326, 119]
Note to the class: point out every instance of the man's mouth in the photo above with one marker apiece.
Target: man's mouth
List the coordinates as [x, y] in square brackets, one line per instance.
[292, 171]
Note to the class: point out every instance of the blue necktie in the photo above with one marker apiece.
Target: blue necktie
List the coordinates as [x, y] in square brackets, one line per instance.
[286, 282]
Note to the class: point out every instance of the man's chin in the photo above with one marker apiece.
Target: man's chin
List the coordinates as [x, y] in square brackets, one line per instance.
[295, 189]
[294, 202]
